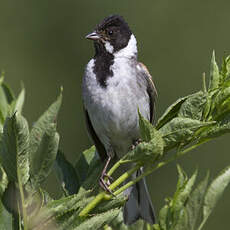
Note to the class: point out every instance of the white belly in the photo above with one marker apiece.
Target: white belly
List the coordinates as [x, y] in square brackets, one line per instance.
[113, 110]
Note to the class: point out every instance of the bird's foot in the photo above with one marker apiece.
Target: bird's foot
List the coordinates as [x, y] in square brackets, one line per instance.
[135, 143]
[104, 183]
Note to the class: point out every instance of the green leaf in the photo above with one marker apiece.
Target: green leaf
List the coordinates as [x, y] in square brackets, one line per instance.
[163, 217]
[156, 227]
[181, 221]
[194, 106]
[92, 176]
[43, 124]
[180, 130]
[17, 106]
[59, 209]
[98, 221]
[83, 164]
[43, 160]
[182, 178]
[221, 103]
[182, 194]
[174, 214]
[171, 112]
[215, 131]
[214, 193]
[210, 105]
[116, 202]
[195, 203]
[14, 148]
[118, 223]
[6, 220]
[4, 105]
[214, 73]
[225, 69]
[8, 93]
[146, 128]
[3, 181]
[66, 174]
[151, 146]
[147, 151]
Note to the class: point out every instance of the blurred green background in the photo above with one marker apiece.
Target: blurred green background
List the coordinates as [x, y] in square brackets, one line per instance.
[42, 44]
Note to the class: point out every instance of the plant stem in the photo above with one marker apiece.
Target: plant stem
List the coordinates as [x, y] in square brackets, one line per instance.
[92, 204]
[103, 195]
[123, 177]
[117, 165]
[159, 165]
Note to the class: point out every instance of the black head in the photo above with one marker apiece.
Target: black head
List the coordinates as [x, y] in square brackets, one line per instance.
[112, 34]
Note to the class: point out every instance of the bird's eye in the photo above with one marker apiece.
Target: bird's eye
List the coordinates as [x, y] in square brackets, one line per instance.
[110, 32]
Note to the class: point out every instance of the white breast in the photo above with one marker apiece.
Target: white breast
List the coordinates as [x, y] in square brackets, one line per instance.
[113, 110]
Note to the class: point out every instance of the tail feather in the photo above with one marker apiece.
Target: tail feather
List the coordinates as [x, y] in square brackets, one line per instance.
[139, 205]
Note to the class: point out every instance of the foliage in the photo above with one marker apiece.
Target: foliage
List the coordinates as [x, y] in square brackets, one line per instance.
[28, 155]
[184, 209]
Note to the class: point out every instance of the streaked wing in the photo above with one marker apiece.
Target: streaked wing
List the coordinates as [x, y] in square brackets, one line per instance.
[99, 146]
[152, 92]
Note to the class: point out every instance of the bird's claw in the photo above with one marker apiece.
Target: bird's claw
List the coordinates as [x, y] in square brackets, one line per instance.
[135, 143]
[105, 184]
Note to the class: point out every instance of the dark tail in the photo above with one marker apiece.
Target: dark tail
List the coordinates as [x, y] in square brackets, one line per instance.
[139, 205]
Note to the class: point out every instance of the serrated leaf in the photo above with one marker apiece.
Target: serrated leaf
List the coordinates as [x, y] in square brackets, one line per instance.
[118, 222]
[43, 124]
[215, 131]
[57, 209]
[43, 160]
[194, 106]
[66, 174]
[14, 148]
[221, 103]
[116, 202]
[174, 216]
[222, 96]
[195, 203]
[214, 193]
[214, 73]
[180, 130]
[225, 69]
[147, 151]
[147, 130]
[182, 194]
[171, 112]
[98, 221]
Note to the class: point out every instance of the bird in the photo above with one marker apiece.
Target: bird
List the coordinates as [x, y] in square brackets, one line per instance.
[115, 87]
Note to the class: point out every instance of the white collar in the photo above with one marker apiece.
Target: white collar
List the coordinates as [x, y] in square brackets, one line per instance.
[130, 50]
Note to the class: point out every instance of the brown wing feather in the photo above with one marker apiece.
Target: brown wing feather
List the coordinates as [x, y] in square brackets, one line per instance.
[151, 89]
[99, 146]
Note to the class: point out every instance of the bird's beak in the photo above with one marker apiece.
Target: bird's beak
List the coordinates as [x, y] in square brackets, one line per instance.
[93, 36]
